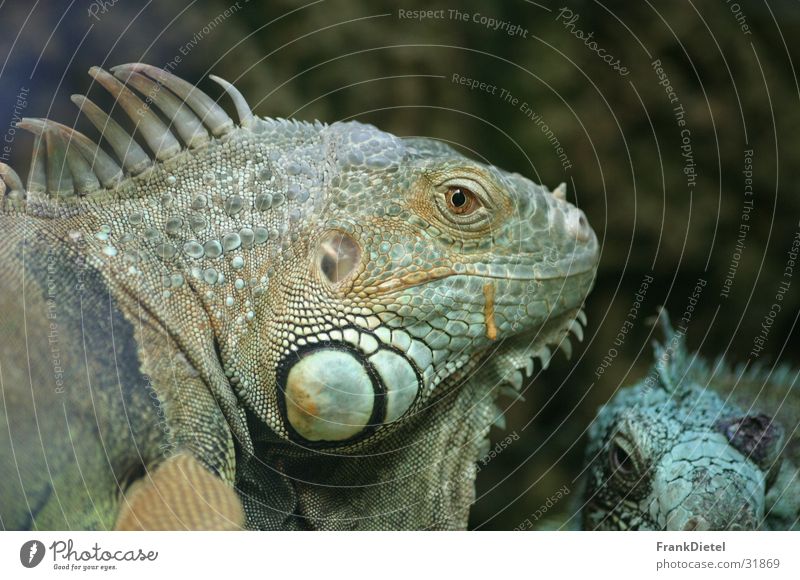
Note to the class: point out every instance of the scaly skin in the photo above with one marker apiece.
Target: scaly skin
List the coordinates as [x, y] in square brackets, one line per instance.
[696, 446]
[319, 315]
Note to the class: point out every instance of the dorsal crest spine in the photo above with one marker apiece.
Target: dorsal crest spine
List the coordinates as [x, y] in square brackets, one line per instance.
[66, 163]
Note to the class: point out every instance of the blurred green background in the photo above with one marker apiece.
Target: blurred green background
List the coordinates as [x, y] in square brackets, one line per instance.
[730, 68]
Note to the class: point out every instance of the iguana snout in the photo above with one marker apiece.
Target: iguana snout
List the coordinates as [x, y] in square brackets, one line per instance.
[702, 483]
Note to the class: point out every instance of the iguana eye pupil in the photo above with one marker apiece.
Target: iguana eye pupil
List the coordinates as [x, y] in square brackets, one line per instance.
[461, 200]
[621, 461]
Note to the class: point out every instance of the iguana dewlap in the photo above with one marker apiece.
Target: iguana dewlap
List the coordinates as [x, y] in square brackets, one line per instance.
[696, 446]
[316, 317]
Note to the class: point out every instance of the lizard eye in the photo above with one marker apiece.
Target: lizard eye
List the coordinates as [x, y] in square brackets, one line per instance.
[623, 461]
[461, 200]
[620, 460]
[464, 203]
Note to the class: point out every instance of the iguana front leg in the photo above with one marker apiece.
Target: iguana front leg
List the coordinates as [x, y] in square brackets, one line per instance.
[189, 486]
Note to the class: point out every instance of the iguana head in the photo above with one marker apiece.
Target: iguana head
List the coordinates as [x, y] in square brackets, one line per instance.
[670, 453]
[416, 261]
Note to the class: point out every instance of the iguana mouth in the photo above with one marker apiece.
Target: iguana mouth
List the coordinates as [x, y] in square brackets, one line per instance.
[420, 278]
[410, 280]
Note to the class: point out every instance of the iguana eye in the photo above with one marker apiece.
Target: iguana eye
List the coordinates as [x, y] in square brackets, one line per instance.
[620, 460]
[461, 200]
[625, 465]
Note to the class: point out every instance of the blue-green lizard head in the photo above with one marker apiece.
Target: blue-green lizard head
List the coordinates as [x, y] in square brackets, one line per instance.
[418, 262]
[671, 453]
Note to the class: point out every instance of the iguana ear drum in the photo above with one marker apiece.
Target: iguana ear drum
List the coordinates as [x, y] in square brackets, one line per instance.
[333, 393]
[338, 255]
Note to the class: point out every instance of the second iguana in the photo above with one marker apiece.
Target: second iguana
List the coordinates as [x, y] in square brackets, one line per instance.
[696, 446]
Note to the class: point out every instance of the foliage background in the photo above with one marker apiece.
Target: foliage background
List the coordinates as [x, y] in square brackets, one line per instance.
[342, 59]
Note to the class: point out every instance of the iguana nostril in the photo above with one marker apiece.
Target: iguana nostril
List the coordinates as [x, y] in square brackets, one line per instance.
[577, 225]
[339, 255]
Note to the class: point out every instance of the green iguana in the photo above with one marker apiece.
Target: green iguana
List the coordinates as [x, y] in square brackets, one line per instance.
[269, 325]
[696, 446]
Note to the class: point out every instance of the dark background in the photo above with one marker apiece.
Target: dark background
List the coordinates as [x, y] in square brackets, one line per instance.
[336, 59]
